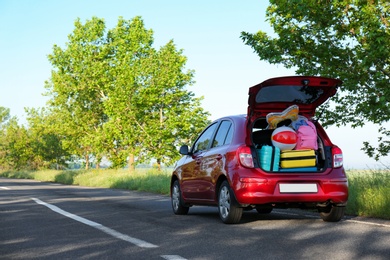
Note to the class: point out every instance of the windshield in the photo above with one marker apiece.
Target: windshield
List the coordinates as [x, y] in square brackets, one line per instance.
[289, 93]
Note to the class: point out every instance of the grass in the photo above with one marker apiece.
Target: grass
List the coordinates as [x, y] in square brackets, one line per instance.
[149, 180]
[369, 190]
[369, 193]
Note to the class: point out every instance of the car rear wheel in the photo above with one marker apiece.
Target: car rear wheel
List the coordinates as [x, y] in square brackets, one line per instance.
[332, 214]
[229, 212]
[177, 202]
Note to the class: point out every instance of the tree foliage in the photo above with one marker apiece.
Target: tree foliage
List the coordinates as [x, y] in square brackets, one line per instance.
[76, 84]
[35, 146]
[346, 39]
[15, 146]
[46, 140]
[16, 151]
[113, 94]
[4, 115]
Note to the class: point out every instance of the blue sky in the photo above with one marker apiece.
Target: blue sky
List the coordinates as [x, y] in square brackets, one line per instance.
[207, 31]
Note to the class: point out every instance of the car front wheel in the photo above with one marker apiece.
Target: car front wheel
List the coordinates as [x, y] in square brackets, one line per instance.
[332, 214]
[177, 203]
[229, 212]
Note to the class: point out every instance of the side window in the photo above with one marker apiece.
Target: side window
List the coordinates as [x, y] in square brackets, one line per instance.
[203, 141]
[224, 134]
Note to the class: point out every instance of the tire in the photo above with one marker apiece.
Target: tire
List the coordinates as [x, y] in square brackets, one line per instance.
[228, 210]
[264, 209]
[177, 201]
[332, 214]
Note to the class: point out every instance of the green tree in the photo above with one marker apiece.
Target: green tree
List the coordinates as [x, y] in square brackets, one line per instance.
[76, 86]
[4, 116]
[168, 114]
[150, 110]
[131, 44]
[15, 146]
[46, 140]
[113, 94]
[346, 39]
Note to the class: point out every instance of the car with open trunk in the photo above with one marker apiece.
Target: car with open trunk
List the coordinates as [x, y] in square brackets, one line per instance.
[264, 160]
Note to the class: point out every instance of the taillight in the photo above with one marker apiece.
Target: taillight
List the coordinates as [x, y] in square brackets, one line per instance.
[337, 157]
[245, 156]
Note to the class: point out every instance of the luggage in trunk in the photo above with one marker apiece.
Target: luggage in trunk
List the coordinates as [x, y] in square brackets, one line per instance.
[297, 158]
[269, 157]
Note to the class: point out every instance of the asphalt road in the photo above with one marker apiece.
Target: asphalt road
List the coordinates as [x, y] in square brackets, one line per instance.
[50, 221]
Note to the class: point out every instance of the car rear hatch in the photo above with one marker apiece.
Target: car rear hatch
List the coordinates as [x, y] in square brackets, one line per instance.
[277, 94]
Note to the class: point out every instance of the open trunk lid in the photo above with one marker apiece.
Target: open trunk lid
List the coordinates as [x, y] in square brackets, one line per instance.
[277, 94]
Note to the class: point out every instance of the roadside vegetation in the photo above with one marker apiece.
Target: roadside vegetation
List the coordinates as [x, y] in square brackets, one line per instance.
[369, 190]
[150, 180]
[109, 89]
[369, 193]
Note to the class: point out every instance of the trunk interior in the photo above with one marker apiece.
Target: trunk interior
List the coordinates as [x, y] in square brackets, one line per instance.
[318, 160]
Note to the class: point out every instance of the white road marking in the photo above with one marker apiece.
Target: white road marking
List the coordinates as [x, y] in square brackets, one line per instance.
[368, 223]
[173, 257]
[111, 232]
[4, 188]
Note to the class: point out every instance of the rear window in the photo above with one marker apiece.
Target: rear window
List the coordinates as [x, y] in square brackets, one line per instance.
[289, 93]
[224, 134]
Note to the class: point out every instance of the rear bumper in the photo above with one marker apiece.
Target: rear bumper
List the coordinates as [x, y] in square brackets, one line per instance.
[331, 186]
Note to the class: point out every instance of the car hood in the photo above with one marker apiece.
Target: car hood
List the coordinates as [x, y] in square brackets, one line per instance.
[277, 94]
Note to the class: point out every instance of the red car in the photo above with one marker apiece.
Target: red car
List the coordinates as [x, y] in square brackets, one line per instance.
[225, 166]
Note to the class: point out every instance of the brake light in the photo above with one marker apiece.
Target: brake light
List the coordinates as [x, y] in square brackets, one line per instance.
[337, 157]
[245, 156]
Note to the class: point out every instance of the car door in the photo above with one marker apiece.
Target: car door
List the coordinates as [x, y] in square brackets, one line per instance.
[192, 182]
[214, 160]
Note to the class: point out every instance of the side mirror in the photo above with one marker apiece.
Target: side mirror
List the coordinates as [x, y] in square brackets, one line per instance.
[184, 150]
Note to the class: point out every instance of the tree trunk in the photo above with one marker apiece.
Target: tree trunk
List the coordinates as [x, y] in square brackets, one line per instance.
[98, 161]
[87, 161]
[131, 163]
[158, 164]
[161, 126]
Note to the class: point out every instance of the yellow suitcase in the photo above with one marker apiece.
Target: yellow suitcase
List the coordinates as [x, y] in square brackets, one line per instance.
[297, 158]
